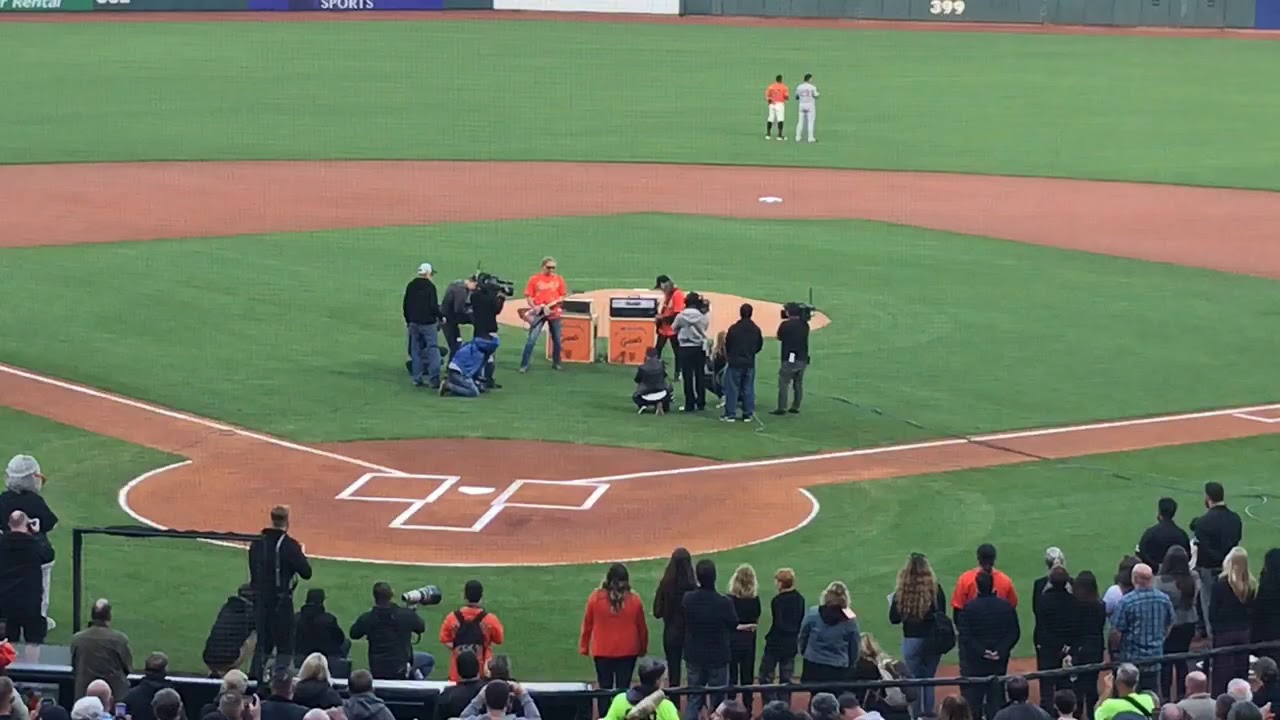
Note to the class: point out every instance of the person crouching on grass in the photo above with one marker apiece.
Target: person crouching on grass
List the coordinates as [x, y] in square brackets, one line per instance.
[467, 367]
[653, 390]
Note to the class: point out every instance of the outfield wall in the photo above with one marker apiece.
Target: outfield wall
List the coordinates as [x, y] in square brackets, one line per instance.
[1149, 13]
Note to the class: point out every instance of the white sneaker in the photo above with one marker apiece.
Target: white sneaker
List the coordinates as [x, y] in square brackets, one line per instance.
[50, 623]
[768, 137]
[781, 139]
[813, 139]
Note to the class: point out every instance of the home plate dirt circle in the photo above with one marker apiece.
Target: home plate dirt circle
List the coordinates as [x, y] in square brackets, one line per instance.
[476, 502]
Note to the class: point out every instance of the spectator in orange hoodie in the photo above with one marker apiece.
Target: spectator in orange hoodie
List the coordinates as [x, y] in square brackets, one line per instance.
[614, 632]
[470, 627]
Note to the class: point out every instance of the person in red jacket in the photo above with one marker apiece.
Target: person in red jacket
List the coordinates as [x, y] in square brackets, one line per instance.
[672, 305]
[614, 632]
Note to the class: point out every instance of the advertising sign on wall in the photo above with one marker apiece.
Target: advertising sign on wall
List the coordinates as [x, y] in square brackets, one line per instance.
[346, 5]
[45, 5]
[170, 5]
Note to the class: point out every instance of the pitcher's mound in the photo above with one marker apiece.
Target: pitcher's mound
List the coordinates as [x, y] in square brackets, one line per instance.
[724, 310]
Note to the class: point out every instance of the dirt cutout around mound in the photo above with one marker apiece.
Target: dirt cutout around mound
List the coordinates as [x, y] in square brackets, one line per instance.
[724, 310]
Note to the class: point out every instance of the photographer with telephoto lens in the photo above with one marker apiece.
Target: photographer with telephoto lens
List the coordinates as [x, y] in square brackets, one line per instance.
[391, 628]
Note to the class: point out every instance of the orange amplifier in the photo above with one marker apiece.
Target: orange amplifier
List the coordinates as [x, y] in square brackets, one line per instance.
[577, 332]
[633, 328]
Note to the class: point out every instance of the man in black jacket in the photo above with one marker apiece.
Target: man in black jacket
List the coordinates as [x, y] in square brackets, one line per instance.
[316, 630]
[280, 705]
[709, 623]
[275, 562]
[1217, 531]
[988, 630]
[421, 313]
[1165, 534]
[24, 483]
[390, 629]
[22, 552]
[793, 333]
[742, 343]
[1056, 615]
[486, 305]
[154, 679]
[455, 698]
[455, 307]
[227, 645]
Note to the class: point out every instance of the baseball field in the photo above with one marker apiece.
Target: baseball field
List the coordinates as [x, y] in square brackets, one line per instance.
[1049, 262]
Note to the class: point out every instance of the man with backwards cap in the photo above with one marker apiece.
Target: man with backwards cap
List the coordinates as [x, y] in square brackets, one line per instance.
[672, 304]
[23, 483]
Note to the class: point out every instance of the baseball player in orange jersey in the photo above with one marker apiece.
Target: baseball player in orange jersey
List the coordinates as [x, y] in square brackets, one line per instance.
[776, 96]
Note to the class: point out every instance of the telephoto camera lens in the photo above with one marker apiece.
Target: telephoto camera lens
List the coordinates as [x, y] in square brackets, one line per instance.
[425, 595]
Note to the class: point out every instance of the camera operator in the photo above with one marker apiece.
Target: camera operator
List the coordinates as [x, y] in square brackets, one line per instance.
[275, 563]
[487, 301]
[455, 306]
[793, 333]
[390, 629]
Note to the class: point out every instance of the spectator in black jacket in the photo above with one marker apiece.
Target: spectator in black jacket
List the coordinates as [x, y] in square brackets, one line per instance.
[23, 484]
[275, 563]
[22, 553]
[1231, 602]
[1019, 691]
[315, 684]
[317, 631]
[1158, 538]
[709, 622]
[455, 308]
[421, 315]
[1089, 643]
[390, 629]
[988, 629]
[280, 705]
[154, 679]
[782, 642]
[793, 333]
[1217, 531]
[1057, 614]
[741, 344]
[228, 645]
[1265, 626]
[455, 698]
[1053, 557]
[917, 599]
[743, 592]
[668, 606]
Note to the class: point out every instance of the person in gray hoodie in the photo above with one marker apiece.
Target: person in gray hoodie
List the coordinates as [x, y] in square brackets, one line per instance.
[363, 704]
[492, 702]
[829, 637]
[691, 351]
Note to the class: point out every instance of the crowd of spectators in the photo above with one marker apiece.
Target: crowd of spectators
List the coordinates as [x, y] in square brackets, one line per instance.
[1176, 588]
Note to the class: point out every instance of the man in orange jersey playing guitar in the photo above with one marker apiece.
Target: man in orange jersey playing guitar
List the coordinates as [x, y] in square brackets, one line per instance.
[776, 96]
[545, 294]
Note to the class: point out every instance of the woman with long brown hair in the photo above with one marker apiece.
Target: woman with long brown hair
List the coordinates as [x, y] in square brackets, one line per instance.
[1089, 646]
[1230, 603]
[1183, 588]
[677, 579]
[917, 598]
[614, 632]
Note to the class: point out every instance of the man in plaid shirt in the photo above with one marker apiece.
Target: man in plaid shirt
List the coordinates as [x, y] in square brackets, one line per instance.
[1143, 619]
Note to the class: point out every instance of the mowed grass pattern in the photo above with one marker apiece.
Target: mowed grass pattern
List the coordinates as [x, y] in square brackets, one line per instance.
[1190, 111]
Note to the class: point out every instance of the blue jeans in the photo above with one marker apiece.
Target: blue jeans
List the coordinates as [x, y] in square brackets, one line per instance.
[704, 676]
[422, 343]
[423, 664]
[921, 664]
[535, 330]
[739, 384]
[461, 385]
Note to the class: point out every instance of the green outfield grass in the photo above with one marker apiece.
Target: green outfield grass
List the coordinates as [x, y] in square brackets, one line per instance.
[1191, 111]
[861, 536]
[300, 335]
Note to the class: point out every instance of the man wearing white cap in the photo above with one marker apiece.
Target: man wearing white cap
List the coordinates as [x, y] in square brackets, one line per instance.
[23, 483]
[421, 315]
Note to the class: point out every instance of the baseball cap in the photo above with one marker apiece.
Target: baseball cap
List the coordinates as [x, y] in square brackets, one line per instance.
[661, 279]
[22, 466]
[424, 269]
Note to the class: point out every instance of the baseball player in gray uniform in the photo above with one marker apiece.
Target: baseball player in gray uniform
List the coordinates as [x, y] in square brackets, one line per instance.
[807, 95]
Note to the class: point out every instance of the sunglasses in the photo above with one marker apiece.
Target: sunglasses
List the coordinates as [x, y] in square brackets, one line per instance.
[549, 267]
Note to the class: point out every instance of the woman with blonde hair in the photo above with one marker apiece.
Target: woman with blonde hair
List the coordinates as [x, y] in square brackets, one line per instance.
[742, 646]
[917, 600]
[315, 685]
[1230, 605]
[829, 637]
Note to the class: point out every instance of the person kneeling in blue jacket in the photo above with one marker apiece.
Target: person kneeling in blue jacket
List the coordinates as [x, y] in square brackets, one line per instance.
[466, 367]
